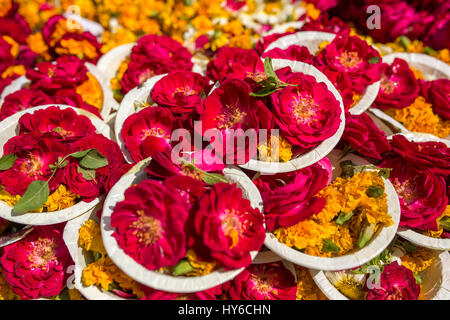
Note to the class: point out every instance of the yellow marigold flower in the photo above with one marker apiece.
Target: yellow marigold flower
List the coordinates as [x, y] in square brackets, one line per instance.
[419, 261]
[6, 292]
[86, 7]
[120, 36]
[283, 150]
[219, 41]
[438, 233]
[356, 97]
[90, 237]
[91, 91]
[311, 10]
[200, 267]
[115, 81]
[13, 70]
[272, 7]
[14, 46]
[10, 199]
[37, 44]
[73, 47]
[322, 46]
[5, 6]
[243, 41]
[97, 273]
[202, 24]
[306, 287]
[443, 55]
[61, 28]
[417, 73]
[419, 117]
[60, 199]
[74, 294]
[415, 46]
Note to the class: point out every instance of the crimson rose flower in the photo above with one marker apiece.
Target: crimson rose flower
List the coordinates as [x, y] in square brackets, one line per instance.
[149, 224]
[228, 226]
[290, 197]
[353, 56]
[181, 92]
[34, 156]
[421, 193]
[210, 294]
[307, 113]
[147, 131]
[36, 266]
[437, 93]
[293, 52]
[264, 42]
[324, 24]
[66, 124]
[397, 283]
[399, 87]
[268, 281]
[364, 136]
[236, 63]
[21, 100]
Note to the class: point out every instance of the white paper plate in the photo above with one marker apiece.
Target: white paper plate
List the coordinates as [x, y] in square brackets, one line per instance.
[312, 40]
[10, 128]
[431, 69]
[82, 258]
[436, 281]
[266, 256]
[318, 152]
[352, 260]
[108, 98]
[409, 234]
[155, 279]
[131, 104]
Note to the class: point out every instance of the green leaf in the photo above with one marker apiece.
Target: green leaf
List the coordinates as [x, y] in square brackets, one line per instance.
[418, 278]
[329, 246]
[385, 172]
[445, 223]
[429, 50]
[80, 154]
[374, 60]
[264, 92]
[374, 192]
[36, 195]
[409, 247]
[366, 234]
[182, 267]
[268, 68]
[404, 41]
[88, 174]
[7, 161]
[343, 217]
[97, 256]
[347, 168]
[203, 95]
[213, 178]
[93, 160]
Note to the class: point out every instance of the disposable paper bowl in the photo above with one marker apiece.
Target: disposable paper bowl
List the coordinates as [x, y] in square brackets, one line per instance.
[351, 260]
[108, 98]
[431, 69]
[10, 128]
[409, 234]
[109, 63]
[435, 280]
[266, 256]
[312, 40]
[82, 258]
[316, 153]
[155, 279]
[131, 104]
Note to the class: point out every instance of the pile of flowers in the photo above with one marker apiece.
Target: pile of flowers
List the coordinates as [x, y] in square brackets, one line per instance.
[57, 160]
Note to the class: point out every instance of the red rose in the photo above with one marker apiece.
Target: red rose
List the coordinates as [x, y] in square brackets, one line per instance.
[434, 155]
[81, 37]
[264, 42]
[66, 124]
[437, 36]
[149, 224]
[34, 156]
[308, 113]
[325, 24]
[437, 93]
[397, 283]
[210, 294]
[21, 100]
[399, 87]
[228, 226]
[181, 92]
[293, 52]
[268, 281]
[147, 131]
[15, 26]
[364, 136]
[236, 63]
[291, 197]
[421, 193]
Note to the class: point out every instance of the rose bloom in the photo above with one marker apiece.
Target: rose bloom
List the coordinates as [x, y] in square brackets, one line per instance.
[83, 45]
[342, 83]
[431, 154]
[289, 197]
[362, 134]
[268, 281]
[228, 108]
[72, 98]
[437, 93]
[210, 294]
[437, 36]
[397, 283]
[399, 87]
[15, 26]
[323, 5]
[236, 63]
[351, 55]
[422, 194]
[34, 155]
[21, 100]
[149, 224]
[293, 52]
[181, 92]
[264, 42]
[307, 113]
[227, 226]
[325, 24]
[6, 58]
[154, 55]
[65, 124]
[147, 131]
[36, 266]
[88, 190]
